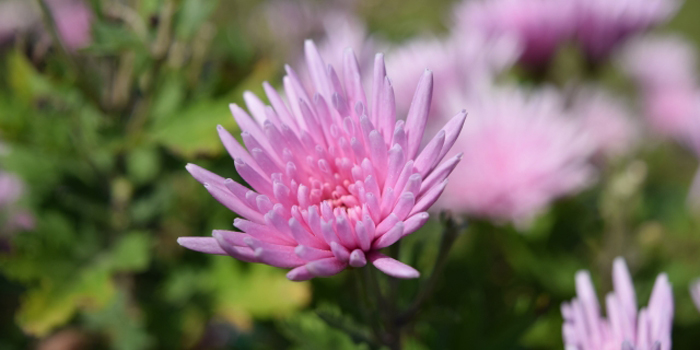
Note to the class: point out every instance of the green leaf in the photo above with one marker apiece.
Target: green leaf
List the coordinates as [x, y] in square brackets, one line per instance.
[143, 164]
[122, 323]
[193, 130]
[54, 302]
[261, 291]
[309, 332]
[131, 253]
[192, 15]
[112, 39]
[25, 82]
[239, 296]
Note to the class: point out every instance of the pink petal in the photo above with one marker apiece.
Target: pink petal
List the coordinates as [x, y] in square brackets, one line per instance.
[392, 267]
[206, 245]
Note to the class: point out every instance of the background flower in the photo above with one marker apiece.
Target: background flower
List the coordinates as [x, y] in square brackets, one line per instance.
[539, 26]
[602, 25]
[521, 152]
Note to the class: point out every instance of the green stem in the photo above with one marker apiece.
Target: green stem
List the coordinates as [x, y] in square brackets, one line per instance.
[449, 235]
[82, 80]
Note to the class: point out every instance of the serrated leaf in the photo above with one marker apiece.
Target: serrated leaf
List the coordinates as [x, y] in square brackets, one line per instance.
[261, 291]
[55, 302]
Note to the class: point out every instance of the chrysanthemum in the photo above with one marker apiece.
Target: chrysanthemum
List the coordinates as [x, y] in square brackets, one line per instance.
[334, 177]
[539, 26]
[601, 25]
[521, 151]
[649, 329]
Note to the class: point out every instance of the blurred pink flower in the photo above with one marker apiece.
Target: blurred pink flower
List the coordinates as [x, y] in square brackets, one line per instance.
[659, 62]
[11, 188]
[16, 16]
[341, 31]
[335, 177]
[695, 293]
[664, 67]
[607, 122]
[462, 64]
[604, 24]
[521, 151]
[13, 218]
[539, 26]
[73, 21]
[333, 24]
[585, 328]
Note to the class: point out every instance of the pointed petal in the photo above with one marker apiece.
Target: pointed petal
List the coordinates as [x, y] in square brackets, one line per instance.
[418, 113]
[392, 267]
[207, 245]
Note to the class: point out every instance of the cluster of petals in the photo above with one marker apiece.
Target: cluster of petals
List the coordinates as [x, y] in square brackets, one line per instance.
[602, 25]
[539, 26]
[335, 177]
[625, 328]
[521, 151]
[463, 64]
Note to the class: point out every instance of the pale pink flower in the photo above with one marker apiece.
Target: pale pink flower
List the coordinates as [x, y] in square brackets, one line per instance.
[607, 121]
[12, 217]
[664, 67]
[16, 16]
[521, 152]
[73, 20]
[661, 62]
[334, 25]
[342, 30]
[11, 188]
[462, 65]
[586, 329]
[539, 26]
[695, 293]
[335, 177]
[604, 24]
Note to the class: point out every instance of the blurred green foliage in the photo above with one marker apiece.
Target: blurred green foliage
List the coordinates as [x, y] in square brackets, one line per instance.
[101, 137]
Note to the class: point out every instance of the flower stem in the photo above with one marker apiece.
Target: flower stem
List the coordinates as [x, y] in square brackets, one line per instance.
[451, 231]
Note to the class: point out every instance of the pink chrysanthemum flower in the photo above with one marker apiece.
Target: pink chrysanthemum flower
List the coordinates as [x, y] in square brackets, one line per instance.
[539, 26]
[695, 293]
[335, 177]
[649, 329]
[604, 24]
[521, 151]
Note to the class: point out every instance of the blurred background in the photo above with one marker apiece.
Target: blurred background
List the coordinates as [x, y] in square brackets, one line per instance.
[104, 102]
